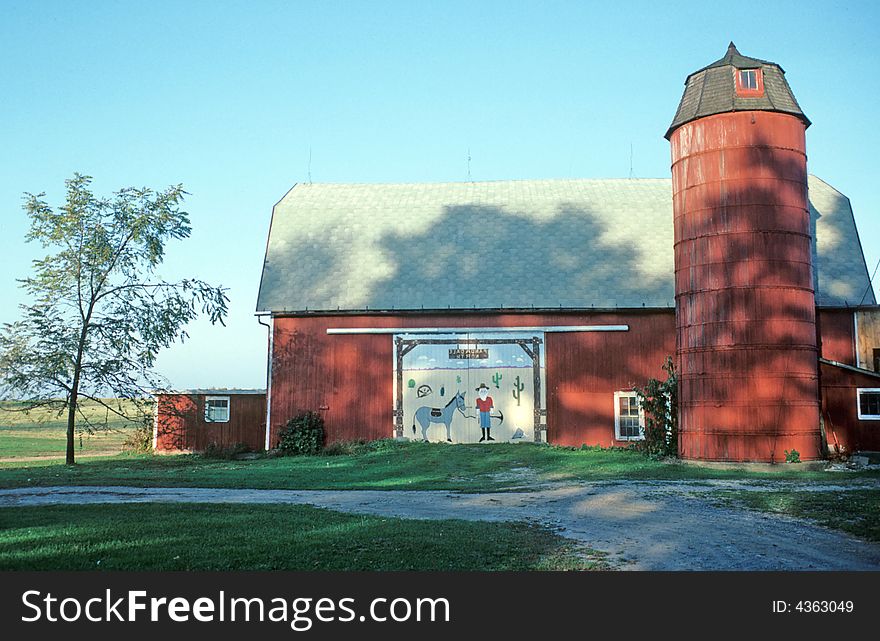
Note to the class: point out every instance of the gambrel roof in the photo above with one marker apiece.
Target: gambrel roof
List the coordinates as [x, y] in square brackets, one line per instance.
[542, 244]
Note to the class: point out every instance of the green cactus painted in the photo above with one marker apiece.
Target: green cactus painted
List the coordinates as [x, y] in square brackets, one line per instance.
[458, 379]
[517, 388]
[496, 378]
[411, 383]
[442, 391]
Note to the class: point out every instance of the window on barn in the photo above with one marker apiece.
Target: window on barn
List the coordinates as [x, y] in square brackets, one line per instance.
[877, 359]
[629, 419]
[216, 409]
[749, 82]
[869, 403]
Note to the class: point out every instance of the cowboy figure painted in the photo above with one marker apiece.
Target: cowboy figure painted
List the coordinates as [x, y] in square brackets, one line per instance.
[484, 406]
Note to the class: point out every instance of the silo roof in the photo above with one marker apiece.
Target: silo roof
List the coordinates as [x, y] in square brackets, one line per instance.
[712, 90]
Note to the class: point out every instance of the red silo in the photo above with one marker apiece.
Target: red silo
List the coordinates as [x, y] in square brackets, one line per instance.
[745, 307]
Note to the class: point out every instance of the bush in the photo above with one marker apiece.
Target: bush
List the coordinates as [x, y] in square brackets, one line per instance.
[659, 400]
[227, 453]
[303, 434]
[140, 440]
[792, 456]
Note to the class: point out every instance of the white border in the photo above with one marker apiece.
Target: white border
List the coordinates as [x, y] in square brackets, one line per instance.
[617, 436]
[866, 417]
[218, 398]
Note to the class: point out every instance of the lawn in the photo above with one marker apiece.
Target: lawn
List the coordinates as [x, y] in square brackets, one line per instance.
[42, 432]
[392, 465]
[270, 537]
[854, 511]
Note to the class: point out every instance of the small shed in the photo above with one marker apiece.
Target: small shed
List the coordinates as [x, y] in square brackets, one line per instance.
[192, 420]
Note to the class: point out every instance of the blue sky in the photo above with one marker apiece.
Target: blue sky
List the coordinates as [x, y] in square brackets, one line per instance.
[232, 98]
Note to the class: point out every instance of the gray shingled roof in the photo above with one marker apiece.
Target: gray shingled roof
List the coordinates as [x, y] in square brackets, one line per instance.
[573, 244]
[840, 272]
[712, 90]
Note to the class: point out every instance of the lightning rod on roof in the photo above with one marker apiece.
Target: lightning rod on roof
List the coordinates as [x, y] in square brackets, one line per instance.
[870, 283]
[310, 164]
[469, 164]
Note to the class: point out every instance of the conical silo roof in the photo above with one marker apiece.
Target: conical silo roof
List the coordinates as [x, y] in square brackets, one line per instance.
[712, 90]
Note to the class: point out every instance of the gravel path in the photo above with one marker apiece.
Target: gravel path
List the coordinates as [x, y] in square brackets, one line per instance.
[640, 525]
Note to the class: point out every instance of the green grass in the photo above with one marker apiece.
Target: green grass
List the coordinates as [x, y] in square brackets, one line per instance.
[854, 511]
[269, 537]
[42, 432]
[390, 465]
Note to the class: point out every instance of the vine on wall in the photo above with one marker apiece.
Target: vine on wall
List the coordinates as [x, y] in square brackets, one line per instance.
[659, 401]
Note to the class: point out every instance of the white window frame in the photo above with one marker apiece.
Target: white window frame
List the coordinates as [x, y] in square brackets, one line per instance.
[866, 417]
[752, 74]
[617, 436]
[228, 408]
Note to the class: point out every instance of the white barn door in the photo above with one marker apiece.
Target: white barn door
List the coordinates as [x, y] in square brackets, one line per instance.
[438, 380]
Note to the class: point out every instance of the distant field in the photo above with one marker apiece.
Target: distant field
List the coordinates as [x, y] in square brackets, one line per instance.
[42, 433]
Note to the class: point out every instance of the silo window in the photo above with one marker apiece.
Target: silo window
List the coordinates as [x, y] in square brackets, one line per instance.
[749, 82]
[869, 403]
[629, 418]
[216, 409]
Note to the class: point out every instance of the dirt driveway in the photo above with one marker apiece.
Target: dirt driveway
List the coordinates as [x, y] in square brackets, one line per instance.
[640, 525]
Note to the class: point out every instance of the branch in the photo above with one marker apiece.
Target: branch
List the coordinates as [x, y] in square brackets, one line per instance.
[115, 258]
[34, 404]
[79, 272]
[101, 402]
[134, 286]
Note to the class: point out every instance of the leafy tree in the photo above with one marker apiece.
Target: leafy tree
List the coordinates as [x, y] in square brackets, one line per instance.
[99, 314]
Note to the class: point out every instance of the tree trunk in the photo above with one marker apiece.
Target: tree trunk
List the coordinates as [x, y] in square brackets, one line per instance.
[71, 423]
[74, 388]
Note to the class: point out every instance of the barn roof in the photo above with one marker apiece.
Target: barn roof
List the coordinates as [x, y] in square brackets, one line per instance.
[543, 244]
[711, 90]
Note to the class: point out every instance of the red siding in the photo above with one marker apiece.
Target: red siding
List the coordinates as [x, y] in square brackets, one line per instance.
[585, 369]
[836, 341]
[180, 423]
[745, 310]
[843, 429]
[349, 378]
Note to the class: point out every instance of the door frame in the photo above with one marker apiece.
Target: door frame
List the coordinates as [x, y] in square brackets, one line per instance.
[531, 346]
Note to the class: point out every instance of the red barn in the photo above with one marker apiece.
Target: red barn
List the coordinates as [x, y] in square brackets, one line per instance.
[192, 420]
[527, 310]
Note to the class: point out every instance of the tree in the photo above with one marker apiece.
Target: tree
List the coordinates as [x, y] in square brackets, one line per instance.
[99, 314]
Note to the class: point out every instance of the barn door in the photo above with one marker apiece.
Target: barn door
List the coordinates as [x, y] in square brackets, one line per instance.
[438, 379]
[514, 378]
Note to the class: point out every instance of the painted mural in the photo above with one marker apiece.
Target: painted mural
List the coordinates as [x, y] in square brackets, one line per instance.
[470, 388]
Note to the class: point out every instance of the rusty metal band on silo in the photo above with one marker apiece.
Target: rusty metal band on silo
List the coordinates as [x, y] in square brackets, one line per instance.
[745, 307]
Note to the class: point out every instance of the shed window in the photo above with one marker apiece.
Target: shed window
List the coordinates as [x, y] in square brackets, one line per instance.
[216, 409]
[629, 419]
[748, 79]
[869, 403]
